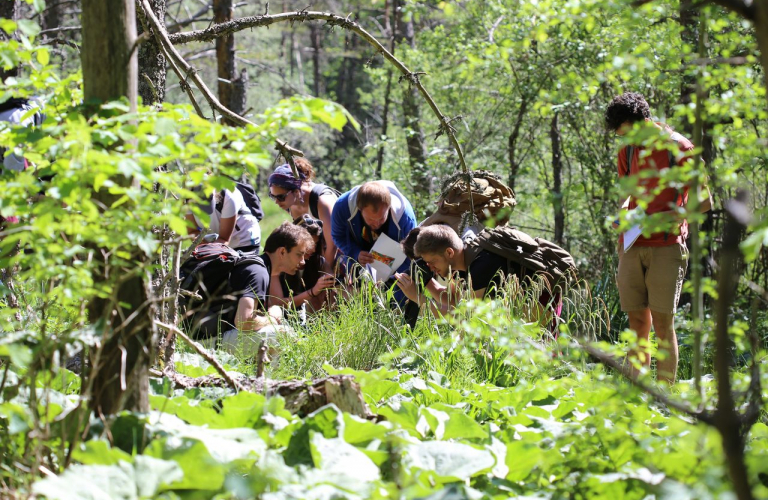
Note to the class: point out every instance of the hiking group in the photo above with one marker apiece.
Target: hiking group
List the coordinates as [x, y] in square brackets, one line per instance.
[236, 285]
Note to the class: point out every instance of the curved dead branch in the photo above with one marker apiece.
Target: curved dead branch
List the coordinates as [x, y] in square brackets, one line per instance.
[223, 29]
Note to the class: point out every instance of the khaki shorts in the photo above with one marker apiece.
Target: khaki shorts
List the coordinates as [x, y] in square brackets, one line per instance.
[651, 277]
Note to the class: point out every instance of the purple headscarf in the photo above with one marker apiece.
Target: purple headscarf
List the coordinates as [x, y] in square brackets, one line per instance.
[283, 177]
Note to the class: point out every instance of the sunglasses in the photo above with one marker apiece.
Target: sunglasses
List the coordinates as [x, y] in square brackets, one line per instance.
[279, 197]
[308, 221]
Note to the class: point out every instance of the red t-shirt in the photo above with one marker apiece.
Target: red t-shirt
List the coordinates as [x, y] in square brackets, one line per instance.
[668, 197]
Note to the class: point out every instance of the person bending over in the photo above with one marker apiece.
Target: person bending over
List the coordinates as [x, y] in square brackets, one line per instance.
[315, 266]
[446, 255]
[231, 219]
[303, 196]
[284, 253]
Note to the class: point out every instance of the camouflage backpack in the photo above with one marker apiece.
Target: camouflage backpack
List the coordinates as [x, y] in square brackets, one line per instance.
[489, 196]
[535, 254]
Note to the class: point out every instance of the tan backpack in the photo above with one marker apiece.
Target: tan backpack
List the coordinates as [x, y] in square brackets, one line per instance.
[489, 195]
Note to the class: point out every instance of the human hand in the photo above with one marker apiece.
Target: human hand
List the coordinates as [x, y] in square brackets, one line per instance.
[408, 286]
[326, 281]
[365, 258]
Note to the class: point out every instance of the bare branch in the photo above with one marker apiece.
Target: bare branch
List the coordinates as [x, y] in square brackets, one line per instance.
[223, 29]
[656, 394]
[189, 71]
[202, 352]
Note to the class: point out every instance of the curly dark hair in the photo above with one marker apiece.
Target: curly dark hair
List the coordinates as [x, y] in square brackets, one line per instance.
[627, 107]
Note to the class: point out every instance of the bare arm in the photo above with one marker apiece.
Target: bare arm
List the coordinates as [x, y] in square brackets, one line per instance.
[192, 228]
[226, 228]
[325, 207]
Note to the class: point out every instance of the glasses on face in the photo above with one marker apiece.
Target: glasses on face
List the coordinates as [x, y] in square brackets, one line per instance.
[278, 197]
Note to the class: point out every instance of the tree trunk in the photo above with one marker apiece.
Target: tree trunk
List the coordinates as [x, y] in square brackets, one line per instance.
[152, 62]
[51, 17]
[761, 33]
[411, 119]
[314, 33]
[119, 376]
[9, 9]
[727, 419]
[387, 92]
[557, 174]
[514, 166]
[224, 11]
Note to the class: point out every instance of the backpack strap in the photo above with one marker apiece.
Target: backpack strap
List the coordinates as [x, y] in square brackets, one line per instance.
[314, 198]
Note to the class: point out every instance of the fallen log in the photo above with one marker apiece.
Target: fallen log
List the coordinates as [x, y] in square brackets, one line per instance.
[301, 397]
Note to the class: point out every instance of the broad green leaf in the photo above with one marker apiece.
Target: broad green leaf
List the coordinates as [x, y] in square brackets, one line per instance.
[449, 461]
[97, 452]
[335, 456]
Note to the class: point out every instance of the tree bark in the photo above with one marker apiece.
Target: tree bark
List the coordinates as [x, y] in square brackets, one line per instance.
[152, 69]
[411, 119]
[316, 40]
[514, 165]
[9, 9]
[557, 174]
[223, 11]
[387, 91]
[727, 419]
[120, 368]
[51, 17]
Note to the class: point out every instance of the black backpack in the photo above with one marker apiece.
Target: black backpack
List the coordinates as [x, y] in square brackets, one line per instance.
[252, 200]
[535, 254]
[207, 270]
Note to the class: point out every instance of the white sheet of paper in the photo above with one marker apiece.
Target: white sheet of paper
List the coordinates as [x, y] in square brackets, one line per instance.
[631, 236]
[388, 249]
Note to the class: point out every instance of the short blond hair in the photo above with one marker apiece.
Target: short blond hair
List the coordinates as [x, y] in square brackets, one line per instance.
[373, 194]
[436, 240]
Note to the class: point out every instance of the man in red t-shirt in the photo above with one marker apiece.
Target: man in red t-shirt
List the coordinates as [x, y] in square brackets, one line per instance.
[651, 272]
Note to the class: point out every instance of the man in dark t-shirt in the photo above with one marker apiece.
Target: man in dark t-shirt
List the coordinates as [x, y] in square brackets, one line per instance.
[230, 297]
[443, 251]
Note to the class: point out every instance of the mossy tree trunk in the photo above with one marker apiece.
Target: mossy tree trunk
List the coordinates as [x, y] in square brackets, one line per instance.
[120, 368]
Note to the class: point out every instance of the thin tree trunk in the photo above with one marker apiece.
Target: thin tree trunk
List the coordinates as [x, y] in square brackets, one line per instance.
[387, 91]
[51, 17]
[120, 369]
[224, 11]
[557, 174]
[411, 119]
[727, 419]
[9, 9]
[152, 71]
[514, 166]
[314, 33]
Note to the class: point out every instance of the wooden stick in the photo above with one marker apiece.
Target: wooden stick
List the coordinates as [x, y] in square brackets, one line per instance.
[207, 356]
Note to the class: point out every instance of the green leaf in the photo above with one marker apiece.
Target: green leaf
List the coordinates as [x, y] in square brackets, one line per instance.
[141, 479]
[28, 28]
[449, 461]
[522, 458]
[43, 56]
[336, 456]
[19, 354]
[97, 452]
[201, 470]
[8, 25]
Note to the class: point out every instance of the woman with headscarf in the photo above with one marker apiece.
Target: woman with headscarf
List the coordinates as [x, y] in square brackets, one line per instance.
[300, 196]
